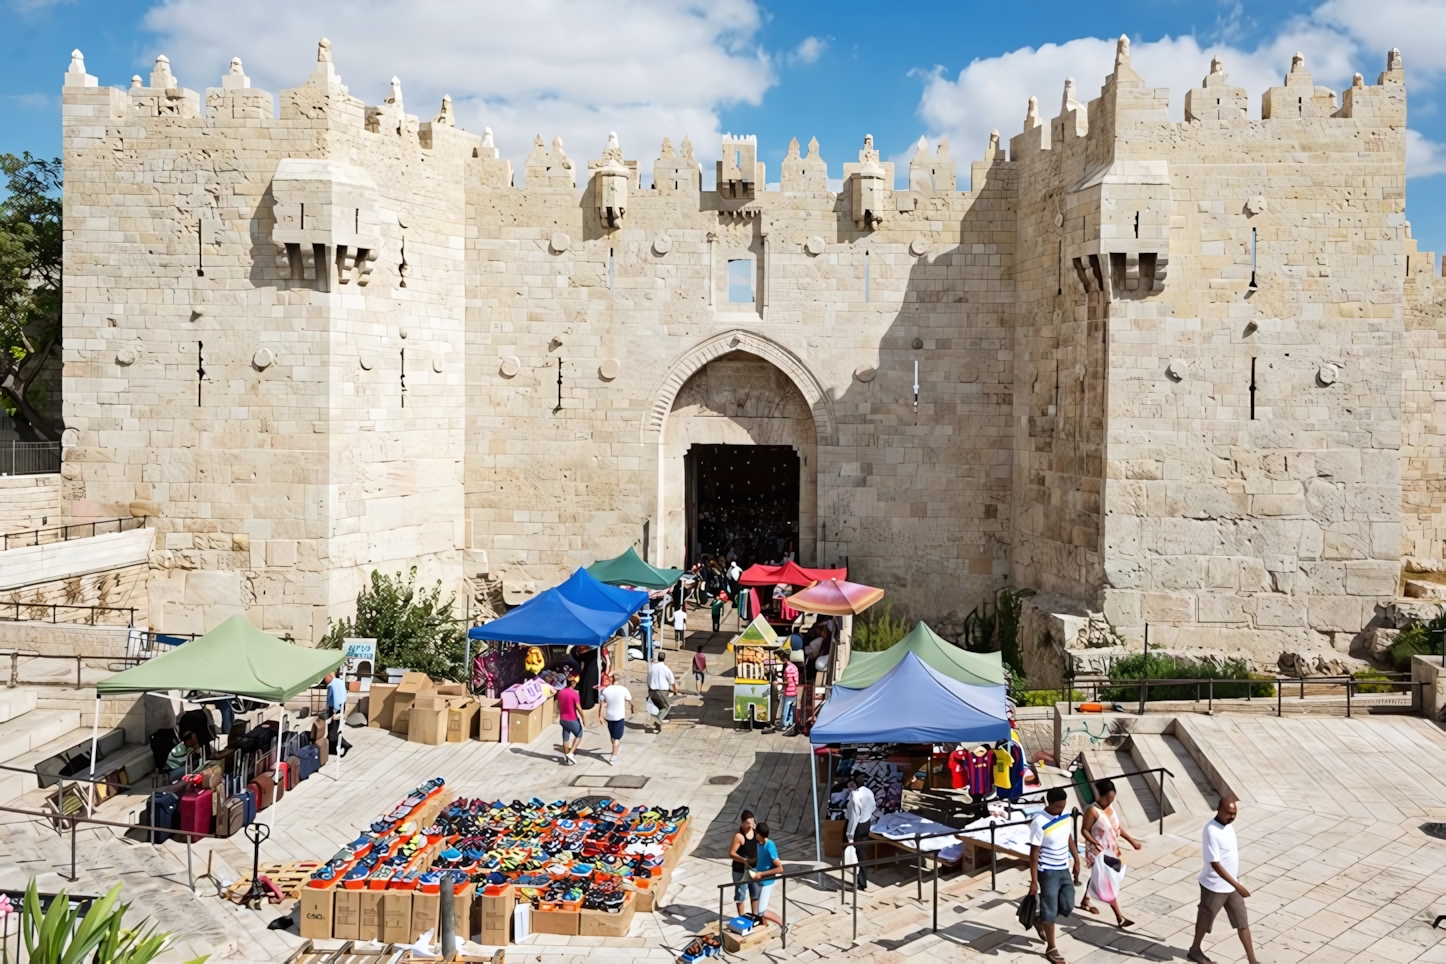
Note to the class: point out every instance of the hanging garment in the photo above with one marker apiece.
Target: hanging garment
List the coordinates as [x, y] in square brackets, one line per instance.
[981, 774]
[1002, 762]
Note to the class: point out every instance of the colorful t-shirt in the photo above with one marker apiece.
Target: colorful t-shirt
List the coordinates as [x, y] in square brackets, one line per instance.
[1051, 834]
[568, 704]
[958, 769]
[767, 854]
[981, 774]
[700, 662]
[1002, 763]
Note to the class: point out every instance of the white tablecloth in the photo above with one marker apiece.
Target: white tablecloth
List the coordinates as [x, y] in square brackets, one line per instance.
[902, 826]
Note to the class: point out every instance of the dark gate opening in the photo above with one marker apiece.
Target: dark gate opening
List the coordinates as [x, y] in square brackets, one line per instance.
[742, 502]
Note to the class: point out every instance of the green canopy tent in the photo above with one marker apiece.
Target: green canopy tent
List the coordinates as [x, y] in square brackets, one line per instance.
[235, 659]
[977, 669]
[629, 569]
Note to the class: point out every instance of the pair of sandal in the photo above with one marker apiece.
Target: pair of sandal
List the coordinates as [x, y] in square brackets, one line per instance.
[1121, 923]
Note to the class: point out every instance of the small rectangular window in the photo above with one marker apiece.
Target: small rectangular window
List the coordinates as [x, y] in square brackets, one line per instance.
[740, 281]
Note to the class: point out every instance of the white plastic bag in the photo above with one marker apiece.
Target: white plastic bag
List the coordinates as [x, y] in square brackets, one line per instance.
[850, 856]
[1105, 880]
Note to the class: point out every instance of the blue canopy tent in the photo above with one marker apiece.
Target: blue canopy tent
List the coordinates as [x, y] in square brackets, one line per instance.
[552, 619]
[584, 590]
[911, 703]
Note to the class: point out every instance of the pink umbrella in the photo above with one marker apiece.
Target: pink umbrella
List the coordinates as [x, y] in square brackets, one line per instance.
[835, 597]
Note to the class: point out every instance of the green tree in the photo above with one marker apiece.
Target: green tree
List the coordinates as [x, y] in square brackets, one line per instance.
[31, 245]
[997, 631]
[414, 628]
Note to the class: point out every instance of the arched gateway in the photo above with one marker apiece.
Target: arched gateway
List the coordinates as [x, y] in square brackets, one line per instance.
[737, 425]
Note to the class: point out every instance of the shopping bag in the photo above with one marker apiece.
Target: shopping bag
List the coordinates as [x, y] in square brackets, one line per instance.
[1106, 873]
[850, 856]
[1028, 910]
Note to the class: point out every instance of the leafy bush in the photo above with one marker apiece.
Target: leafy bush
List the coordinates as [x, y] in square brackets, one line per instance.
[878, 629]
[1046, 697]
[1417, 639]
[1162, 666]
[1372, 674]
[414, 629]
[997, 631]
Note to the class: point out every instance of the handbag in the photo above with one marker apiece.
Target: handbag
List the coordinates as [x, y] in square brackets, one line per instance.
[1028, 910]
[1106, 875]
[850, 856]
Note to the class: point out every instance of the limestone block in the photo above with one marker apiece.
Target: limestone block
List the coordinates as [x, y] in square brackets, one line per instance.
[1371, 578]
[1338, 614]
[1276, 611]
[1419, 589]
[1222, 572]
[212, 588]
[1225, 608]
[281, 552]
[1165, 607]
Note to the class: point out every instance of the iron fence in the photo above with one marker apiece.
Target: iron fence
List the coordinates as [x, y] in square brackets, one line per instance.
[29, 458]
[75, 530]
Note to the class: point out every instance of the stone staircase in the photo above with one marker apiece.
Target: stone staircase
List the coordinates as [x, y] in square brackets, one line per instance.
[29, 734]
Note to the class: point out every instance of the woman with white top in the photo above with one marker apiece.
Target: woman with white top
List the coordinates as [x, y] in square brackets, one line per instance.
[1103, 831]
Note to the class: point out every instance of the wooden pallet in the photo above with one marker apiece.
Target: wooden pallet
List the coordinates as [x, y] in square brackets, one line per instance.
[289, 878]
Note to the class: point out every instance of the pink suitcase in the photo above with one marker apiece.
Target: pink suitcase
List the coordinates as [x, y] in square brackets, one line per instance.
[196, 810]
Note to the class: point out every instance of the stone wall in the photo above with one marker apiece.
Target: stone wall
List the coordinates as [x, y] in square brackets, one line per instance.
[1153, 368]
[29, 502]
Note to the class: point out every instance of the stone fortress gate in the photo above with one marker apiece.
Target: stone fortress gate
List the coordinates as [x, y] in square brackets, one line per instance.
[1181, 373]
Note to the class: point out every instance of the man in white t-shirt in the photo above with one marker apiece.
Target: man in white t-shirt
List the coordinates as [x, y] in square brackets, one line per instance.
[1219, 886]
[661, 685]
[1053, 867]
[613, 706]
[680, 624]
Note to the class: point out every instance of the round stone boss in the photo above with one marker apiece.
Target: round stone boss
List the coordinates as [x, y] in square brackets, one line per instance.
[126, 356]
[865, 373]
[1328, 373]
[662, 244]
[919, 246]
[560, 242]
[815, 245]
[263, 358]
[609, 369]
[511, 365]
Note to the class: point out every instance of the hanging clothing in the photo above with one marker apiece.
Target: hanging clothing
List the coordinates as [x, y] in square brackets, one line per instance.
[958, 764]
[590, 677]
[1015, 787]
[981, 774]
[1002, 762]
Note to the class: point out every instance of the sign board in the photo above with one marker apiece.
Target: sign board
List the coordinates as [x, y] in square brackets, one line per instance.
[361, 661]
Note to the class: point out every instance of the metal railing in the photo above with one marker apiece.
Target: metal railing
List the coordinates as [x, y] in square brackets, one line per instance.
[16, 611]
[29, 458]
[1205, 688]
[75, 530]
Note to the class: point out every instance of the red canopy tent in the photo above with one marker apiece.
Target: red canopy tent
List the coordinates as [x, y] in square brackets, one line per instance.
[790, 574]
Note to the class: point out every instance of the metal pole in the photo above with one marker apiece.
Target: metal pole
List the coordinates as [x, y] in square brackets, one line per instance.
[190, 874]
[73, 875]
[1162, 801]
[447, 926]
[1348, 697]
[783, 911]
[856, 901]
[1212, 698]
[936, 896]
[1279, 689]
[919, 866]
[993, 860]
[813, 785]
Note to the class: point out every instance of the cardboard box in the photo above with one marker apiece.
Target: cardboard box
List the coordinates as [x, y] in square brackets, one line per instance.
[450, 689]
[424, 915]
[428, 719]
[369, 926]
[461, 719]
[598, 923]
[760, 935]
[524, 726]
[405, 693]
[556, 922]
[493, 915]
[676, 852]
[346, 918]
[462, 900]
[833, 837]
[316, 912]
[488, 727]
[396, 916]
[652, 898]
[380, 704]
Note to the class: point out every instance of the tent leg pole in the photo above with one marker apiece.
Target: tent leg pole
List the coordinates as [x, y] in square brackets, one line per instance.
[276, 772]
[813, 785]
[94, 738]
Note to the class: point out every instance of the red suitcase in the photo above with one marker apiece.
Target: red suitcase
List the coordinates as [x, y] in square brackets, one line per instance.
[196, 812]
[282, 782]
[261, 787]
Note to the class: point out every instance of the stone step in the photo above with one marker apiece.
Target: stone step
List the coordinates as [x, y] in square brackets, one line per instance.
[14, 702]
[1136, 802]
[34, 729]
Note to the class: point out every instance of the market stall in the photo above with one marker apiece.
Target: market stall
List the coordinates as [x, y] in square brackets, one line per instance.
[629, 569]
[844, 600]
[756, 664]
[579, 868]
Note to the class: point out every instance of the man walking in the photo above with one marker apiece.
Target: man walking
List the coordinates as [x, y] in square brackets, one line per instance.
[790, 693]
[716, 609]
[661, 684]
[859, 811]
[614, 702]
[1219, 883]
[336, 709]
[680, 625]
[1051, 849]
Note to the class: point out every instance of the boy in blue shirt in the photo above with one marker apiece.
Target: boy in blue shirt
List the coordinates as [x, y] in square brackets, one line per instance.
[767, 867]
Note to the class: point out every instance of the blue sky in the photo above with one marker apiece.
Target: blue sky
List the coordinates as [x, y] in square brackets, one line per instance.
[648, 68]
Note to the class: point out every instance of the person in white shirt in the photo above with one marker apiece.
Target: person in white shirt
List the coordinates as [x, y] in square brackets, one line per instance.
[1219, 883]
[614, 703]
[859, 812]
[661, 683]
[680, 624]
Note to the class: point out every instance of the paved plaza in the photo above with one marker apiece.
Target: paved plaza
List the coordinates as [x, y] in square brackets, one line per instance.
[1330, 829]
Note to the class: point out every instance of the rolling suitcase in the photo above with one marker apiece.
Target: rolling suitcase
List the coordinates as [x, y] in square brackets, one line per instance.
[310, 760]
[230, 816]
[279, 777]
[248, 800]
[261, 787]
[196, 812]
[293, 771]
[161, 814]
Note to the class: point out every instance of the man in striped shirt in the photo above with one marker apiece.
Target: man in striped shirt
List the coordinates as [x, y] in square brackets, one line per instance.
[1051, 851]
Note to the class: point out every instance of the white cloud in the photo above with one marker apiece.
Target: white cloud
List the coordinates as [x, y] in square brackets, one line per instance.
[1424, 158]
[992, 93]
[808, 51]
[1417, 27]
[575, 68]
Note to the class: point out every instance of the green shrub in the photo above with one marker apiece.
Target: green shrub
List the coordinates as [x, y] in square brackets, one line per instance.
[414, 629]
[1047, 697]
[60, 935]
[1162, 666]
[1372, 674]
[878, 629]
[1417, 639]
[997, 630]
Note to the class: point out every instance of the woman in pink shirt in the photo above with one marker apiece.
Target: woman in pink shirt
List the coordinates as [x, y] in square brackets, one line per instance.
[569, 707]
[790, 694]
